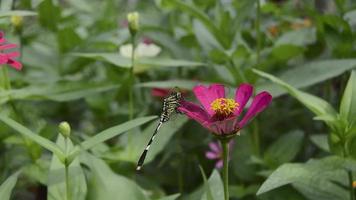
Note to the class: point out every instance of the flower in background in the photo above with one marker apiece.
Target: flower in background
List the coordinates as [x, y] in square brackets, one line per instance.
[164, 92]
[305, 23]
[216, 153]
[221, 115]
[8, 57]
[160, 92]
[146, 48]
[273, 30]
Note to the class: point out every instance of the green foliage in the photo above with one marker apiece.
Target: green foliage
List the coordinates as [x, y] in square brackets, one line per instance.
[8, 185]
[74, 71]
[316, 179]
[56, 177]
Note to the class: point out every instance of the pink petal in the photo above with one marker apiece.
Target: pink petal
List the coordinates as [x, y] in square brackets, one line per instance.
[13, 54]
[195, 112]
[206, 95]
[219, 164]
[211, 155]
[215, 147]
[243, 94]
[259, 103]
[15, 64]
[2, 37]
[3, 59]
[7, 46]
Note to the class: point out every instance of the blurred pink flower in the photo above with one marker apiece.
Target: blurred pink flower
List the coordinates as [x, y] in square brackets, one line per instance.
[221, 115]
[164, 92]
[160, 92]
[215, 153]
[8, 57]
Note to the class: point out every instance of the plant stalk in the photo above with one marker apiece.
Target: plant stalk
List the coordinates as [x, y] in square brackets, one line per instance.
[66, 164]
[258, 31]
[352, 196]
[225, 172]
[132, 76]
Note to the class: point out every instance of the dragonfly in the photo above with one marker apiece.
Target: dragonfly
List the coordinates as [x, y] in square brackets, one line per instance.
[170, 105]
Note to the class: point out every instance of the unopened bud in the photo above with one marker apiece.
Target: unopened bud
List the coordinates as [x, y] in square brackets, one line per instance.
[133, 21]
[16, 21]
[64, 129]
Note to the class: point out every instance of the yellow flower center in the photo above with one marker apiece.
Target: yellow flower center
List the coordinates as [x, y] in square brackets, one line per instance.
[224, 107]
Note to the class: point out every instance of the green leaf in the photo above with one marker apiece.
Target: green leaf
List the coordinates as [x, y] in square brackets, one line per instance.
[321, 141]
[61, 92]
[142, 64]
[56, 178]
[205, 38]
[105, 184]
[110, 133]
[22, 13]
[316, 179]
[317, 105]
[49, 14]
[312, 73]
[214, 189]
[348, 101]
[299, 37]
[170, 197]
[67, 39]
[286, 51]
[285, 148]
[7, 186]
[112, 58]
[44, 142]
[201, 16]
[183, 84]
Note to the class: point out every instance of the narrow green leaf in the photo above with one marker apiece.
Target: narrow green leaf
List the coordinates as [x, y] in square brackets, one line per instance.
[317, 105]
[183, 84]
[56, 178]
[110, 133]
[312, 73]
[44, 142]
[22, 13]
[61, 92]
[170, 197]
[141, 63]
[348, 102]
[7, 186]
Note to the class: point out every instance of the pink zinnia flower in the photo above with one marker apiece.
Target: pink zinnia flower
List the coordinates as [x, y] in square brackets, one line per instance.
[8, 57]
[216, 153]
[221, 115]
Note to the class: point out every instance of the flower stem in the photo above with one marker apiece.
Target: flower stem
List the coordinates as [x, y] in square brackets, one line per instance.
[131, 108]
[66, 164]
[67, 182]
[352, 196]
[5, 76]
[225, 172]
[258, 31]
